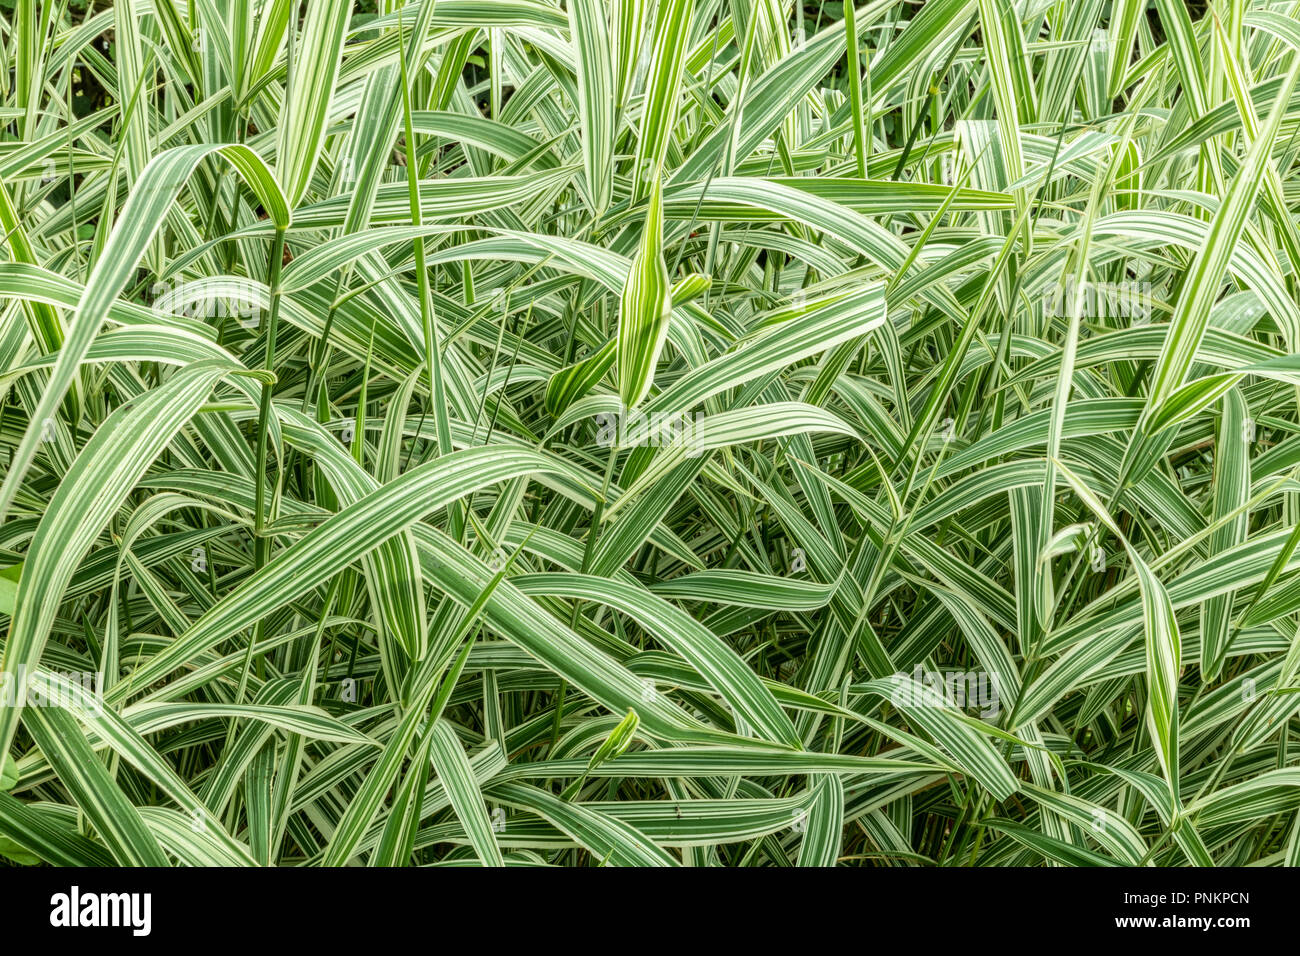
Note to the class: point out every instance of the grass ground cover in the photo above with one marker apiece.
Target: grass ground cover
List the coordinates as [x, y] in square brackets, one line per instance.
[649, 433]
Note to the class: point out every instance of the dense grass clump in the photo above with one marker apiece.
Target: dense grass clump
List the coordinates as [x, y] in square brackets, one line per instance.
[649, 432]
